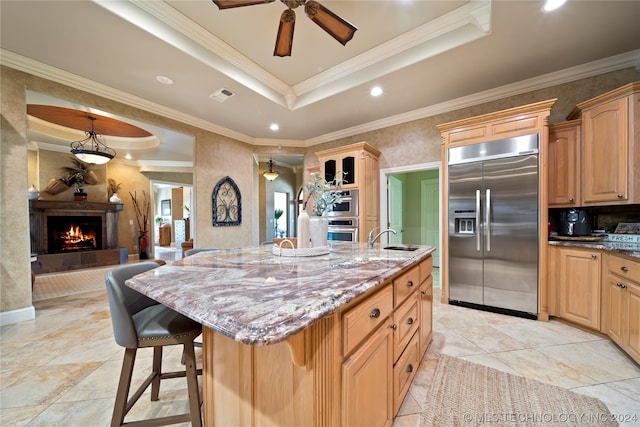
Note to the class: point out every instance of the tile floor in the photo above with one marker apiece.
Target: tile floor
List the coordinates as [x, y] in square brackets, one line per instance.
[62, 368]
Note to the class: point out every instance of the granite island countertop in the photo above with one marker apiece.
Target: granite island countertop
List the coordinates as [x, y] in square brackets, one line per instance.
[258, 298]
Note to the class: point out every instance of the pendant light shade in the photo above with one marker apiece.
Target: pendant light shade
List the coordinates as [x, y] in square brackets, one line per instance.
[270, 174]
[90, 149]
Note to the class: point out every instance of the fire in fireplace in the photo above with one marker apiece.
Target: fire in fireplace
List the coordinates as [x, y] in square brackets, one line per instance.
[74, 233]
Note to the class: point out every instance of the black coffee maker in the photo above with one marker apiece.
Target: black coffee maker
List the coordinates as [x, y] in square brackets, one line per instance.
[574, 222]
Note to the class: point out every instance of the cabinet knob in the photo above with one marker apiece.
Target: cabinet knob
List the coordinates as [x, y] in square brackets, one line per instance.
[375, 313]
[394, 327]
[410, 283]
[410, 321]
[570, 199]
[594, 256]
[622, 285]
[410, 368]
[624, 268]
[423, 292]
[619, 196]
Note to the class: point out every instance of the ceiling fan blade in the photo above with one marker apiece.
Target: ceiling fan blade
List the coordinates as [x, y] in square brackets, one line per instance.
[284, 40]
[339, 29]
[227, 4]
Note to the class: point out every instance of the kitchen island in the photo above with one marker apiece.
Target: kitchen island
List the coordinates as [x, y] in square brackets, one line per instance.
[330, 340]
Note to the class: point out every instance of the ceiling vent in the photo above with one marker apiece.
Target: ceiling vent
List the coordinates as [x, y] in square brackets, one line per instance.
[221, 95]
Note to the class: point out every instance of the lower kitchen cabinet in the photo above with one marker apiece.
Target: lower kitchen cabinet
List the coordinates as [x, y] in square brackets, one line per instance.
[579, 286]
[623, 309]
[368, 382]
[384, 339]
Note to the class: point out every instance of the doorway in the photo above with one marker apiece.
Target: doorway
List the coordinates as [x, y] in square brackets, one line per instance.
[410, 204]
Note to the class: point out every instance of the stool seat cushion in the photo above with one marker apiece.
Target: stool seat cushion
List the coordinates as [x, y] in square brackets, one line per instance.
[159, 322]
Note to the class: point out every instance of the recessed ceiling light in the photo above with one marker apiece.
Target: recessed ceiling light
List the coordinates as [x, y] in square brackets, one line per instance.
[376, 91]
[274, 127]
[127, 156]
[164, 80]
[550, 5]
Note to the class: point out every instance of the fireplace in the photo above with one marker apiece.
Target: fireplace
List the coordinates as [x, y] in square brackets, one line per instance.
[74, 235]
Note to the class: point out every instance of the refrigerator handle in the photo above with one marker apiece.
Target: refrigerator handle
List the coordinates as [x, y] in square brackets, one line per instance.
[488, 219]
[478, 220]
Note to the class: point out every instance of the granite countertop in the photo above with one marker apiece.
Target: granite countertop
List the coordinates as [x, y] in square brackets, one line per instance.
[258, 298]
[631, 250]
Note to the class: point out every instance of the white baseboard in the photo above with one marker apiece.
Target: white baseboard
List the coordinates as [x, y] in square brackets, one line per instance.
[15, 316]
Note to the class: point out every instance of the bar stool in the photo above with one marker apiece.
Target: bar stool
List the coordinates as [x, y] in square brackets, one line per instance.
[138, 322]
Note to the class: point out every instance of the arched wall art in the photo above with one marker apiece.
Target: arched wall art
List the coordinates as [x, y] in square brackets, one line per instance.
[227, 203]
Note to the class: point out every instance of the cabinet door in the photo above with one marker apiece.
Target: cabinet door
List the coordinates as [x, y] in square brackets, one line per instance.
[564, 165]
[633, 317]
[616, 311]
[579, 299]
[426, 314]
[606, 153]
[367, 382]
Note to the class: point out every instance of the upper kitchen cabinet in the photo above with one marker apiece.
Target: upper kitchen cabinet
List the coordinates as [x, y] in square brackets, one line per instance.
[564, 164]
[358, 165]
[355, 164]
[611, 147]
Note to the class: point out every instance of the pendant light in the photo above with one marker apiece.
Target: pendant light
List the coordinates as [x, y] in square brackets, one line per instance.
[90, 149]
[270, 174]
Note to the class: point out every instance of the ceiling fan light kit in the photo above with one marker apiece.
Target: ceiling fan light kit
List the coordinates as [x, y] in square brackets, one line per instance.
[90, 149]
[335, 26]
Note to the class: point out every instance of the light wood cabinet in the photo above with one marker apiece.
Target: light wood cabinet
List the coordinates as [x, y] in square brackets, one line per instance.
[360, 163]
[623, 308]
[579, 286]
[426, 313]
[611, 156]
[564, 179]
[392, 350]
[368, 382]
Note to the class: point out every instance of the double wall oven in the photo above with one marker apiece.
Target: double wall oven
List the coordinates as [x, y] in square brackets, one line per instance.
[343, 218]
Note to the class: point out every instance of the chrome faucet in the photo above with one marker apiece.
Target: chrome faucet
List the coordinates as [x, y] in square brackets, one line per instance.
[371, 240]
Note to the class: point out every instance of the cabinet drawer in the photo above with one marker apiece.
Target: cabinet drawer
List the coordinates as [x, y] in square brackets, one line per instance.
[426, 268]
[404, 371]
[405, 284]
[406, 321]
[624, 268]
[361, 320]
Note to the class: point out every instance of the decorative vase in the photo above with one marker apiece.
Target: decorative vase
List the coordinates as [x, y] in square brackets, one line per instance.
[318, 231]
[303, 230]
[33, 193]
[114, 198]
[143, 244]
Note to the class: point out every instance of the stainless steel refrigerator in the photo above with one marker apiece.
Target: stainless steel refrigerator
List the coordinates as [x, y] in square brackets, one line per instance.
[493, 225]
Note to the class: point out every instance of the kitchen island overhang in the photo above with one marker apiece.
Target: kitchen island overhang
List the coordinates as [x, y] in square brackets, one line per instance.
[273, 333]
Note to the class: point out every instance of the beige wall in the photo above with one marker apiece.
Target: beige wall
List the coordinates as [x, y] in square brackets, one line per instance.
[418, 141]
[215, 157]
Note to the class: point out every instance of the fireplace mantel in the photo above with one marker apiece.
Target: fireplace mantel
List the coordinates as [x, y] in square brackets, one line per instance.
[108, 254]
[74, 206]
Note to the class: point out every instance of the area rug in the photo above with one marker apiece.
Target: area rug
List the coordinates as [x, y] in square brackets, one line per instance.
[56, 285]
[467, 394]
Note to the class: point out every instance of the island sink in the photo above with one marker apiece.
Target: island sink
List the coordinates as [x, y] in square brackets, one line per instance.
[401, 248]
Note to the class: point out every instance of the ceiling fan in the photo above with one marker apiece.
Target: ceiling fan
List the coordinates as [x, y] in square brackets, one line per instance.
[337, 27]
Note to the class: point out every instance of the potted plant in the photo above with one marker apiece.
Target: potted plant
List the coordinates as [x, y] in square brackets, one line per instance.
[114, 187]
[77, 175]
[325, 195]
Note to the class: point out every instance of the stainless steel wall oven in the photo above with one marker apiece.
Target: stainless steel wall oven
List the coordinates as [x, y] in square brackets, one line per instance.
[343, 229]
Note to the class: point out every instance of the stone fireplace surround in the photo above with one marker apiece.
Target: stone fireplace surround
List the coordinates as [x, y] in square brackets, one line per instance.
[108, 254]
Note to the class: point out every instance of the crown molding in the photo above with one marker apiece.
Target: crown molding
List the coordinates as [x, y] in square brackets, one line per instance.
[614, 63]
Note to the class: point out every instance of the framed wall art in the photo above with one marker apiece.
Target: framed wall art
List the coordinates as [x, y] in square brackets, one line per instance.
[227, 203]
